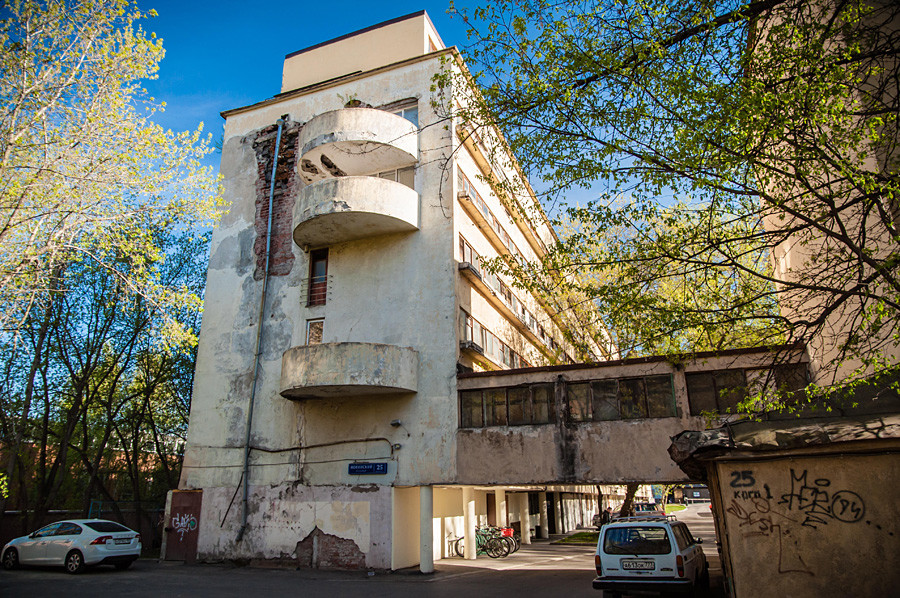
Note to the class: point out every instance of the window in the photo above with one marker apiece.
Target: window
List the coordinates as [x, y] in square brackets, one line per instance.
[719, 391]
[495, 407]
[471, 415]
[314, 330]
[605, 400]
[318, 277]
[579, 402]
[636, 540]
[405, 176]
[410, 113]
[519, 405]
[67, 528]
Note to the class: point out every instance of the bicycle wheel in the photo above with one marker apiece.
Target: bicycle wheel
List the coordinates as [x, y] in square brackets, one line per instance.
[510, 544]
[459, 547]
[496, 549]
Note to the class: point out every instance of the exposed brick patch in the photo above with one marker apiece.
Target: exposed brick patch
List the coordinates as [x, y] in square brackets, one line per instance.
[286, 189]
[324, 551]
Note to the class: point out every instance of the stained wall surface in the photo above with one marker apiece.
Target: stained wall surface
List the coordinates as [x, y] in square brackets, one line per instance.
[813, 526]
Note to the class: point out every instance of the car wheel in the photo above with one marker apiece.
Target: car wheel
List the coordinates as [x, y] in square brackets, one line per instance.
[74, 562]
[11, 559]
[123, 566]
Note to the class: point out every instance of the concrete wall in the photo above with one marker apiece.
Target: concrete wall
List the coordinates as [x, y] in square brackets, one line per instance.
[811, 526]
[618, 451]
[361, 51]
[334, 527]
[395, 289]
[405, 531]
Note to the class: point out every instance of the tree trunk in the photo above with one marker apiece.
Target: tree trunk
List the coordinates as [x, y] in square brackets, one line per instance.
[630, 490]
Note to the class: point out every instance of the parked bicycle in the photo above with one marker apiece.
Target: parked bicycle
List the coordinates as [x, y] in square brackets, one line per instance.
[496, 542]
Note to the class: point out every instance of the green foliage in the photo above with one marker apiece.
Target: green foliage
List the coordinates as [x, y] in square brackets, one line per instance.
[83, 169]
[102, 260]
[745, 156]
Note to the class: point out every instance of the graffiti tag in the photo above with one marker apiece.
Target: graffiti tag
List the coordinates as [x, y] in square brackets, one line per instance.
[183, 524]
[816, 501]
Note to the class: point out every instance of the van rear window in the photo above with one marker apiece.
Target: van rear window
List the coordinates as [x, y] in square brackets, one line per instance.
[106, 526]
[636, 540]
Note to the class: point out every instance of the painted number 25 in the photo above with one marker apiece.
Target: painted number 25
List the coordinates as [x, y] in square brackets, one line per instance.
[742, 479]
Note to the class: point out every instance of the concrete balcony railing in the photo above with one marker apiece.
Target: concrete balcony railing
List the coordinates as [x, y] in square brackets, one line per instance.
[349, 208]
[348, 369]
[356, 141]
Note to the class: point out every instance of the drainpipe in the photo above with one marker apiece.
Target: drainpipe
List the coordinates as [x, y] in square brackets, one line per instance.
[259, 324]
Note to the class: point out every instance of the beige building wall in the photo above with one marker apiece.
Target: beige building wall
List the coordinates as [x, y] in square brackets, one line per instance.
[819, 525]
[371, 48]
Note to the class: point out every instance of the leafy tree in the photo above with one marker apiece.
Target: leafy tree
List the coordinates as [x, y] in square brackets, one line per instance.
[82, 166]
[718, 135]
[100, 274]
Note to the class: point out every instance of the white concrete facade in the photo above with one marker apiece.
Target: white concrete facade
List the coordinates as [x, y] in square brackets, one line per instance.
[357, 366]
[343, 443]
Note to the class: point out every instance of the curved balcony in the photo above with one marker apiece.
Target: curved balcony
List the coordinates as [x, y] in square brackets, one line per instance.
[349, 208]
[348, 369]
[355, 141]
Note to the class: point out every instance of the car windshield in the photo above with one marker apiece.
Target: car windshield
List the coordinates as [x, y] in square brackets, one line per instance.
[106, 526]
[636, 540]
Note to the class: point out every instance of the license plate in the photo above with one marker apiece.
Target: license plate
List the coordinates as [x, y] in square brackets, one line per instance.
[123, 541]
[639, 565]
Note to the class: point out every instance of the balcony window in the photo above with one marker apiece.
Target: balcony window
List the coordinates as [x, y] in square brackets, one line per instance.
[404, 176]
[410, 113]
[318, 277]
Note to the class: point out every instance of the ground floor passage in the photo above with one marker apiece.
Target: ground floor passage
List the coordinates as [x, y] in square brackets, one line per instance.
[370, 526]
[454, 514]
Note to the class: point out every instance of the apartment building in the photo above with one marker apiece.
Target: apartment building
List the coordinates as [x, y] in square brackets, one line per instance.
[346, 290]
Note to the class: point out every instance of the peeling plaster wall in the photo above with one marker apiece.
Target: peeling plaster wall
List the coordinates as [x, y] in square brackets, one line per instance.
[607, 452]
[396, 289]
[618, 451]
[285, 515]
[815, 526]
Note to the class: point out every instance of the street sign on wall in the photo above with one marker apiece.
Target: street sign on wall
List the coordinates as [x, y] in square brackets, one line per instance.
[367, 468]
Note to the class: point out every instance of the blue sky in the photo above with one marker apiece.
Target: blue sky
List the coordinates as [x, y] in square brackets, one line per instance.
[228, 53]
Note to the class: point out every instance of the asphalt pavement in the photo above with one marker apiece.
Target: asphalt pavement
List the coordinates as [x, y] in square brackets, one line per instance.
[540, 570]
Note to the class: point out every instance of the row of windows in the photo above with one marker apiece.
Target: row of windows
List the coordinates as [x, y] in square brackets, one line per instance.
[597, 400]
[487, 341]
[468, 254]
[721, 391]
[717, 391]
[467, 189]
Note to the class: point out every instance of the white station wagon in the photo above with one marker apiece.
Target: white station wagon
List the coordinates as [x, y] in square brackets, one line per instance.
[75, 544]
[649, 554]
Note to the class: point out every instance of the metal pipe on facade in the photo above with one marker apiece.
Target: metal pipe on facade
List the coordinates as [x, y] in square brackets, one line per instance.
[259, 324]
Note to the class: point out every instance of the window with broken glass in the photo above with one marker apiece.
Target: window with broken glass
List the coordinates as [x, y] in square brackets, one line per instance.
[589, 401]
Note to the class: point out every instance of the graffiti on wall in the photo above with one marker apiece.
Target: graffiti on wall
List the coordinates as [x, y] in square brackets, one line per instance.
[183, 523]
[810, 502]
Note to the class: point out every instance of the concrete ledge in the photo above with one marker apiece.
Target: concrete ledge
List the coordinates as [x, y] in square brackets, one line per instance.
[348, 369]
[356, 141]
[350, 208]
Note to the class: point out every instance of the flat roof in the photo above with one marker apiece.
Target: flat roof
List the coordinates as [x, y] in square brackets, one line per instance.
[370, 28]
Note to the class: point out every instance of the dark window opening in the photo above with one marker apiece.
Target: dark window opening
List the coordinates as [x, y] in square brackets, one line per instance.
[318, 277]
[719, 392]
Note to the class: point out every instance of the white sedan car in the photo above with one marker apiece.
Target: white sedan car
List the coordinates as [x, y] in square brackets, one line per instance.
[76, 544]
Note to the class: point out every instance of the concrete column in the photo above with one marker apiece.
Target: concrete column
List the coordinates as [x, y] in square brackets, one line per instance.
[525, 518]
[469, 517]
[426, 529]
[560, 520]
[500, 500]
[545, 524]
